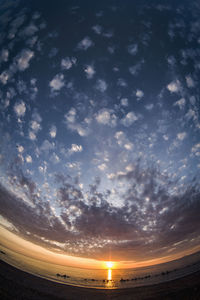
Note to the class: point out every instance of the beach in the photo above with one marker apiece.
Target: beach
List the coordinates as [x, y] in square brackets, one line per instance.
[16, 284]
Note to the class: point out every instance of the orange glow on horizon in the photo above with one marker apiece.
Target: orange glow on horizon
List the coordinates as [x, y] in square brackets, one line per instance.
[109, 264]
[29, 249]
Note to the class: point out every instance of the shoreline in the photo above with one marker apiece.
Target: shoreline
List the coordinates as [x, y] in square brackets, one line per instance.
[17, 284]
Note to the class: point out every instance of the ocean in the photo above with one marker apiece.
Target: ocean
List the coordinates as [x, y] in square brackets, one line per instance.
[102, 278]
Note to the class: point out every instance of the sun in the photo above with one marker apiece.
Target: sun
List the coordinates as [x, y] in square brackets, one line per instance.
[109, 264]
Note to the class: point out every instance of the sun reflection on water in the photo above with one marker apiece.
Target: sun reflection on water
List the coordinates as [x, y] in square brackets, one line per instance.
[109, 274]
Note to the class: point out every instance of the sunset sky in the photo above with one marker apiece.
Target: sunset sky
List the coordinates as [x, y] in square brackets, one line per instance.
[100, 130]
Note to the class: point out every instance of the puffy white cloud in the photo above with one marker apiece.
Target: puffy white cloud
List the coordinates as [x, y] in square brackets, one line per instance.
[20, 109]
[106, 117]
[134, 70]
[123, 141]
[28, 159]
[165, 137]
[190, 82]
[85, 43]
[132, 49]
[55, 158]
[75, 148]
[23, 59]
[102, 167]
[32, 135]
[29, 30]
[20, 148]
[128, 146]
[89, 70]
[67, 63]
[46, 146]
[180, 103]
[121, 82]
[53, 131]
[124, 102]
[129, 119]
[57, 82]
[97, 29]
[171, 60]
[139, 94]
[70, 117]
[149, 106]
[103, 117]
[81, 130]
[101, 85]
[120, 136]
[35, 126]
[4, 76]
[191, 114]
[196, 149]
[181, 136]
[4, 55]
[174, 86]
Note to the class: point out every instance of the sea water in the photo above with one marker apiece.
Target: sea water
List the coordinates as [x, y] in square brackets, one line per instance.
[102, 278]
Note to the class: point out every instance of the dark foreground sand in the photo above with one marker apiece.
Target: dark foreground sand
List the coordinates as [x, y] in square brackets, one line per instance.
[16, 285]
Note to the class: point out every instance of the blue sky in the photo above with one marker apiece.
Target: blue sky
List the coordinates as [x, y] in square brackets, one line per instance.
[100, 126]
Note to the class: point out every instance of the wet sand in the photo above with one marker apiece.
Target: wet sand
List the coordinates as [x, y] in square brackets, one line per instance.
[18, 285]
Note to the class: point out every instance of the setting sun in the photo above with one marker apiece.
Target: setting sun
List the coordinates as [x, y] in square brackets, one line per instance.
[109, 264]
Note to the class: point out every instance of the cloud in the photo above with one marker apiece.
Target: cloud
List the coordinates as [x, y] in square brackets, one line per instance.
[75, 148]
[47, 146]
[4, 54]
[53, 131]
[32, 136]
[57, 83]
[35, 126]
[123, 141]
[121, 82]
[70, 120]
[132, 49]
[196, 150]
[181, 136]
[106, 117]
[174, 86]
[23, 59]
[97, 29]
[190, 82]
[85, 43]
[124, 102]
[139, 94]
[101, 85]
[20, 63]
[180, 103]
[134, 70]
[89, 70]
[20, 148]
[71, 115]
[29, 30]
[28, 159]
[67, 63]
[157, 214]
[102, 167]
[128, 146]
[20, 109]
[5, 76]
[149, 106]
[129, 119]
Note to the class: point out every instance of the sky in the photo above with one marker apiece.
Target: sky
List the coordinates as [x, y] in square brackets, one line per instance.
[100, 127]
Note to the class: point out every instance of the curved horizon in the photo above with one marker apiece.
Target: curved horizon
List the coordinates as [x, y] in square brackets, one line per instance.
[100, 131]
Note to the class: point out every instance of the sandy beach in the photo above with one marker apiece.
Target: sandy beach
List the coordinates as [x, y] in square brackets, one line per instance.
[16, 284]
